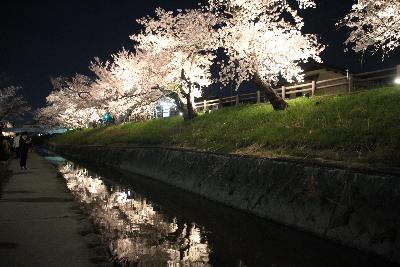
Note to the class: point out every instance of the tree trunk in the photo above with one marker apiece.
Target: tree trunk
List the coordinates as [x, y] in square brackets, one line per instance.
[178, 102]
[190, 110]
[187, 110]
[189, 113]
[277, 102]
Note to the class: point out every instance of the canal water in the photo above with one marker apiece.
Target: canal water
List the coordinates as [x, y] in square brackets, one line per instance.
[148, 223]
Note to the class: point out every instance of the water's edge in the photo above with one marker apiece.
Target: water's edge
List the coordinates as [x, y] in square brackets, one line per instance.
[357, 209]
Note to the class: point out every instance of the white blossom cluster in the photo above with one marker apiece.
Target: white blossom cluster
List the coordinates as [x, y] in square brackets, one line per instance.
[263, 38]
[70, 103]
[374, 24]
[80, 101]
[186, 42]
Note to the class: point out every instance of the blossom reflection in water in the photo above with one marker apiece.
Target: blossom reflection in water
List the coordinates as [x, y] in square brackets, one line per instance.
[135, 232]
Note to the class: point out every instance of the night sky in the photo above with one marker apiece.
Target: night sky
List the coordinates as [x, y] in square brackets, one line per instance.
[42, 39]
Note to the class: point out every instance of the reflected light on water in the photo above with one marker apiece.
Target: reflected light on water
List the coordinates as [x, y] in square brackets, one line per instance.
[133, 229]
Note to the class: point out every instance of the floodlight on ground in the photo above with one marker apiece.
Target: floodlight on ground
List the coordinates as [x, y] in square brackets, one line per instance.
[397, 80]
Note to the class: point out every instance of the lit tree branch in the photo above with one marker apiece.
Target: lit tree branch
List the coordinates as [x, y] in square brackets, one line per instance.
[374, 24]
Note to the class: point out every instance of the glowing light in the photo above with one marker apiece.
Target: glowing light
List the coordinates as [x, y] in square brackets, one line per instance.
[397, 80]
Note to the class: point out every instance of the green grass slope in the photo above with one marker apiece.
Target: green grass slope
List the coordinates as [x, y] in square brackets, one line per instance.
[357, 128]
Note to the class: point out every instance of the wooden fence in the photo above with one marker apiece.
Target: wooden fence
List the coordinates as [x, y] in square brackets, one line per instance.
[352, 82]
[367, 80]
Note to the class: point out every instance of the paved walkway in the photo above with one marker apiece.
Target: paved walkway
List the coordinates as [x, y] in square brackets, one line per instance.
[37, 225]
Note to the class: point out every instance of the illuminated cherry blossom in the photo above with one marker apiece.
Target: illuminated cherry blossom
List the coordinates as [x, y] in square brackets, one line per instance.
[374, 24]
[264, 42]
[70, 104]
[185, 42]
[121, 86]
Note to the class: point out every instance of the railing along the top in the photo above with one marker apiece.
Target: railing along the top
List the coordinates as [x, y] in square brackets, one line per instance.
[352, 81]
[371, 79]
[376, 75]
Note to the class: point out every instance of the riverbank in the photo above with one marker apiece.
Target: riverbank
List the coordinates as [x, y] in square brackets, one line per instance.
[357, 130]
[351, 206]
[39, 222]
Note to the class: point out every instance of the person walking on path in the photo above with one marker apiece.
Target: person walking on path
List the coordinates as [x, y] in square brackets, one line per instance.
[24, 144]
[16, 144]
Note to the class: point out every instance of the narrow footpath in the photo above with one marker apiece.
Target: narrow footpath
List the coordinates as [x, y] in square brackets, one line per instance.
[38, 223]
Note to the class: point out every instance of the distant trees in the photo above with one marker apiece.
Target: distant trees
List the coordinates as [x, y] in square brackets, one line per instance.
[374, 24]
[12, 105]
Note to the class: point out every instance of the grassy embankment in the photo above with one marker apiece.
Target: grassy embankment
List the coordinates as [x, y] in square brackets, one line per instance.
[360, 128]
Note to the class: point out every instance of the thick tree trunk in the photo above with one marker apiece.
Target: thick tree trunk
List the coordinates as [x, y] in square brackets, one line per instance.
[276, 101]
[189, 113]
[186, 109]
[190, 110]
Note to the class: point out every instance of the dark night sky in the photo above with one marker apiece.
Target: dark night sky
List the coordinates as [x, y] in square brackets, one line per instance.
[39, 39]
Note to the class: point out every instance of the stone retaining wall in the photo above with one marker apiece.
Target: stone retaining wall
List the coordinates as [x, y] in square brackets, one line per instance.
[358, 209]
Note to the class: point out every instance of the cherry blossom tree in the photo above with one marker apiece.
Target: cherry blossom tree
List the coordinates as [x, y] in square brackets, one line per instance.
[125, 84]
[120, 86]
[264, 42]
[185, 43]
[12, 105]
[70, 103]
[374, 24]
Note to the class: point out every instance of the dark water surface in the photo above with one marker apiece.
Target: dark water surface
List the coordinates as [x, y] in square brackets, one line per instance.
[155, 224]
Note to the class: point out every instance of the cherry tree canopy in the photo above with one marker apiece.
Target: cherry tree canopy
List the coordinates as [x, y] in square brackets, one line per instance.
[119, 87]
[185, 43]
[125, 85]
[12, 104]
[70, 103]
[264, 42]
[375, 24]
